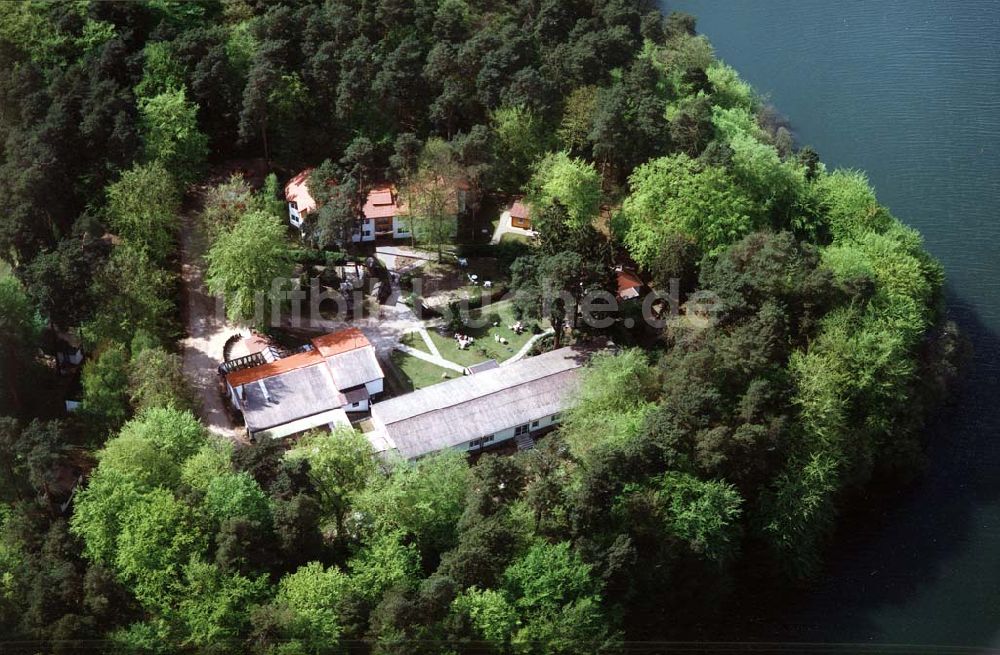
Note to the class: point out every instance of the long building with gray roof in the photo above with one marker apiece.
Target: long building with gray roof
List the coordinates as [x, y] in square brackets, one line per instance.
[478, 411]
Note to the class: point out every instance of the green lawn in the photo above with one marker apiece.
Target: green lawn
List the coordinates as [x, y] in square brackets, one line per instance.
[416, 373]
[485, 347]
[415, 341]
[510, 237]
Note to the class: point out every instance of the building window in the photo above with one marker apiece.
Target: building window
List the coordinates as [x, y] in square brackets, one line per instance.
[534, 424]
[555, 417]
[521, 429]
[482, 441]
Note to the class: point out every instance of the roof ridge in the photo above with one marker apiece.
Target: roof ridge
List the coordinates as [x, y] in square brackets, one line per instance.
[478, 397]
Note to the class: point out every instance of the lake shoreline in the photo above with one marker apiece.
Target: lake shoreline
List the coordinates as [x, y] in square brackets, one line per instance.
[901, 90]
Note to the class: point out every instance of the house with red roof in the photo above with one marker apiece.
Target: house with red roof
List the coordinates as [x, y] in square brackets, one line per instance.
[300, 202]
[628, 283]
[520, 215]
[387, 214]
[383, 215]
[337, 374]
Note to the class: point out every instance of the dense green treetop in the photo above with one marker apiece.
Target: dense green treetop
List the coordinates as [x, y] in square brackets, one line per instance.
[574, 183]
[679, 195]
[340, 463]
[169, 125]
[245, 262]
[142, 207]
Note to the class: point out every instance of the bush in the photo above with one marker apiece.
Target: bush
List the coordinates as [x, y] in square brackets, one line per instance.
[334, 258]
[309, 257]
[543, 345]
[329, 277]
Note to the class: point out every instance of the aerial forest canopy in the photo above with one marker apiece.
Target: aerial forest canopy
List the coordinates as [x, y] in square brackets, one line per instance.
[700, 468]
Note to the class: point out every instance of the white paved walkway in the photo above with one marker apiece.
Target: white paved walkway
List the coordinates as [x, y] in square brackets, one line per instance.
[526, 347]
[389, 254]
[431, 346]
[438, 360]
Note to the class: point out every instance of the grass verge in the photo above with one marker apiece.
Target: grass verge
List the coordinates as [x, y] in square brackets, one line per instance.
[415, 373]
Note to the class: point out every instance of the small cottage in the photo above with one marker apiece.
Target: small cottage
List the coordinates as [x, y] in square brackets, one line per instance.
[520, 215]
[300, 202]
[628, 283]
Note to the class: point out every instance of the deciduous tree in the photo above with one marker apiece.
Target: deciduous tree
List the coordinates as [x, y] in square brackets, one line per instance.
[616, 394]
[520, 140]
[310, 597]
[423, 501]
[169, 124]
[574, 183]
[340, 463]
[676, 194]
[159, 535]
[432, 195]
[156, 379]
[105, 389]
[143, 207]
[245, 263]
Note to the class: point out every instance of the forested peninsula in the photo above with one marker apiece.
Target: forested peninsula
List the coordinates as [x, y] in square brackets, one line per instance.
[704, 465]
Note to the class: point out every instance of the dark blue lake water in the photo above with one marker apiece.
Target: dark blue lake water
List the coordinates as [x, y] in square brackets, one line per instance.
[908, 90]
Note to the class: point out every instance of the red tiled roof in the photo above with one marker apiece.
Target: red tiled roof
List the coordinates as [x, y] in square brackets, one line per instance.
[336, 343]
[519, 210]
[381, 197]
[277, 367]
[324, 346]
[627, 281]
[381, 203]
[297, 191]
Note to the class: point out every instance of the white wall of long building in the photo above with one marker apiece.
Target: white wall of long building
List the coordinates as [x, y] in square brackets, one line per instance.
[487, 441]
